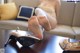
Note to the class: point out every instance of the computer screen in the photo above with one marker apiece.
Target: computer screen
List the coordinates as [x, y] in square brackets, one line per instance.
[25, 12]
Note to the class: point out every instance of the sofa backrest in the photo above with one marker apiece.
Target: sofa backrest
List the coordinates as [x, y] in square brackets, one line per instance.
[76, 20]
[69, 12]
[32, 3]
[66, 13]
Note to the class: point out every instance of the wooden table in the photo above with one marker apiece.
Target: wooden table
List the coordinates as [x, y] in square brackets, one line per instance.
[50, 45]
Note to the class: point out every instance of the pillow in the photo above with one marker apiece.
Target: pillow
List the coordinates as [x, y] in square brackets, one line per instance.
[25, 12]
[8, 11]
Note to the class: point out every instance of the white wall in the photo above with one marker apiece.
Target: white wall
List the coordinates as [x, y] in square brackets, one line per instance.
[71, 0]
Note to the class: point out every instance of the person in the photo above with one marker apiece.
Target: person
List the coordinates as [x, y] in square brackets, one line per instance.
[45, 17]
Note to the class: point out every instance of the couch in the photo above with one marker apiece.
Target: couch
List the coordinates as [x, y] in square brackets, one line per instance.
[68, 20]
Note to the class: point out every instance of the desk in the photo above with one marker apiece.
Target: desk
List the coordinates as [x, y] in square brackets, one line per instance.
[50, 45]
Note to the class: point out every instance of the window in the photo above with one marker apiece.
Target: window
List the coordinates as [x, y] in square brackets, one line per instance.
[71, 0]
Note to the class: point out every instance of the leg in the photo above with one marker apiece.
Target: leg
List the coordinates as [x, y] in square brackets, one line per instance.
[52, 20]
[43, 19]
[44, 22]
[34, 27]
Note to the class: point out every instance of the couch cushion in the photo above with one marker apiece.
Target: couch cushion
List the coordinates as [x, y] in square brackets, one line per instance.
[66, 13]
[63, 30]
[77, 32]
[32, 3]
[8, 11]
[76, 20]
[13, 24]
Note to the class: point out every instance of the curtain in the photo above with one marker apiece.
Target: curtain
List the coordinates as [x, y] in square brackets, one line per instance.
[1, 1]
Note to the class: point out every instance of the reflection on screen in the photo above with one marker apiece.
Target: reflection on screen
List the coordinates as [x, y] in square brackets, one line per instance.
[25, 12]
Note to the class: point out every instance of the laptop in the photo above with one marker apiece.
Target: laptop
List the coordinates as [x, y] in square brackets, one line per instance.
[25, 12]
